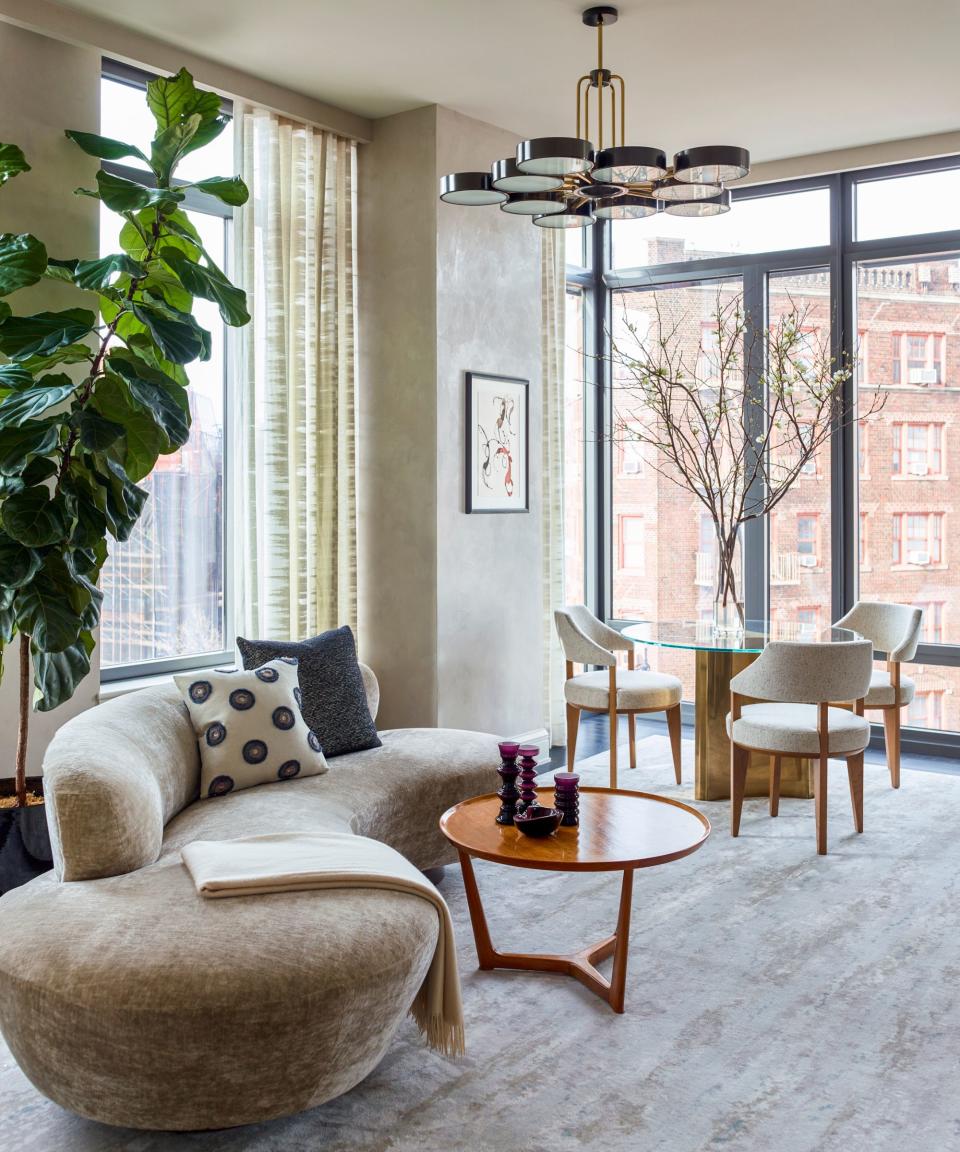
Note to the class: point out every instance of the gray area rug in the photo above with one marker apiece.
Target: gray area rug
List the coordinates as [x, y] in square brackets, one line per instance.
[777, 1001]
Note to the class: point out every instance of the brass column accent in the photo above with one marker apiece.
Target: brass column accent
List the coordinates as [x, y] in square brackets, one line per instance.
[712, 771]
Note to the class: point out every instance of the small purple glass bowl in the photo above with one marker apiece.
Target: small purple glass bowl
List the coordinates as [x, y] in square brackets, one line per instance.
[538, 821]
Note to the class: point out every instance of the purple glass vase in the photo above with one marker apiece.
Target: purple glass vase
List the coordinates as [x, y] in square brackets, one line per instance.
[528, 774]
[566, 798]
[508, 772]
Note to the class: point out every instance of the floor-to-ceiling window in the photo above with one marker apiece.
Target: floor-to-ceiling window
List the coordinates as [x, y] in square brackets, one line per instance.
[165, 596]
[871, 262]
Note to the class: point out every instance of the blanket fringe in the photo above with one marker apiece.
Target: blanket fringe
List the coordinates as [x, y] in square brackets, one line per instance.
[442, 1035]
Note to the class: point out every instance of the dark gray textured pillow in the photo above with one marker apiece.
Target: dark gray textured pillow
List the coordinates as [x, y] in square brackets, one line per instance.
[332, 698]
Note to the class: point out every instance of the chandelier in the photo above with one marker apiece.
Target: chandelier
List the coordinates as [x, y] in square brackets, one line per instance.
[564, 182]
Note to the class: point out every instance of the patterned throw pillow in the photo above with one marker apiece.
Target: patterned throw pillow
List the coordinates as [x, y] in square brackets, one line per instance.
[249, 727]
[333, 699]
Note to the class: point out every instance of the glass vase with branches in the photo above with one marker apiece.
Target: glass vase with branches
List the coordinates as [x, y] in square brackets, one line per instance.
[734, 417]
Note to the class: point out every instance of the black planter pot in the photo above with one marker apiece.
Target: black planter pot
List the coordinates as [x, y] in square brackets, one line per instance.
[24, 845]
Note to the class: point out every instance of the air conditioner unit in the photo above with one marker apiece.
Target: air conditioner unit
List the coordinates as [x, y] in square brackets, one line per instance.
[920, 558]
[631, 467]
[808, 561]
[953, 273]
[923, 376]
[923, 274]
[917, 469]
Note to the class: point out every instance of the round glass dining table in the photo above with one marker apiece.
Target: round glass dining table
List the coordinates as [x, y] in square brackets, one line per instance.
[718, 659]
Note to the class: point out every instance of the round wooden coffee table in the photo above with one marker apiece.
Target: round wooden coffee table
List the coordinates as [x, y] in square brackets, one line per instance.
[619, 831]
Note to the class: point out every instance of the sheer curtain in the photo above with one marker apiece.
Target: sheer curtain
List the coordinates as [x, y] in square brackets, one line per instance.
[294, 434]
[553, 306]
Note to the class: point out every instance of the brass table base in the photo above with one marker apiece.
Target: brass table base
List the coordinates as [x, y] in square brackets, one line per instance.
[712, 776]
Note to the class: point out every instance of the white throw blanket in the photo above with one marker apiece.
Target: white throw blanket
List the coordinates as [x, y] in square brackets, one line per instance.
[303, 861]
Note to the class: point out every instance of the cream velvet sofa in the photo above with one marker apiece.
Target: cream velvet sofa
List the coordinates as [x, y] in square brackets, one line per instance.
[129, 999]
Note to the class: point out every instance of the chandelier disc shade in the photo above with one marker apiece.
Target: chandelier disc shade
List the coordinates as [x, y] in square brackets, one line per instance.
[573, 216]
[564, 182]
[555, 156]
[711, 206]
[671, 190]
[711, 165]
[505, 176]
[629, 165]
[534, 204]
[626, 207]
[470, 188]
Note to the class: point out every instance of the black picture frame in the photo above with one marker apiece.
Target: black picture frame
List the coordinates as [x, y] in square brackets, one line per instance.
[481, 496]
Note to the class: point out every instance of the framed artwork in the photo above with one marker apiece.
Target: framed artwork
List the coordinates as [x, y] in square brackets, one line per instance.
[497, 443]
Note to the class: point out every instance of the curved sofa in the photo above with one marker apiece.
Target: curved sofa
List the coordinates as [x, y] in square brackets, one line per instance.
[127, 998]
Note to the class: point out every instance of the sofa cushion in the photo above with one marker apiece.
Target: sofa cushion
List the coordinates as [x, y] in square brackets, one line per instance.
[249, 727]
[333, 696]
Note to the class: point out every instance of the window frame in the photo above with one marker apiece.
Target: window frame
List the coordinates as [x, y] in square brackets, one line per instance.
[841, 256]
[194, 201]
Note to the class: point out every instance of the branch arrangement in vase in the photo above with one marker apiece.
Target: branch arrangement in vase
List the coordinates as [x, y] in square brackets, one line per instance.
[738, 447]
[88, 403]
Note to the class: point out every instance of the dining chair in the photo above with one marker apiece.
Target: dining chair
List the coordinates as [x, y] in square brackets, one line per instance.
[587, 640]
[796, 683]
[895, 630]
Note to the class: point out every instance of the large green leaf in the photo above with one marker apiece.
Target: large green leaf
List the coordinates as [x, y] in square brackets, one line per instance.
[18, 564]
[22, 337]
[19, 407]
[103, 147]
[96, 274]
[17, 445]
[173, 99]
[33, 518]
[61, 270]
[22, 261]
[229, 189]
[122, 195]
[170, 145]
[211, 284]
[97, 432]
[124, 500]
[12, 162]
[155, 391]
[57, 674]
[15, 376]
[49, 607]
[177, 334]
[67, 354]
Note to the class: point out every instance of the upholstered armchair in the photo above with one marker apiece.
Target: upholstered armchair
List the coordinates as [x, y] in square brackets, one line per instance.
[895, 630]
[587, 640]
[796, 684]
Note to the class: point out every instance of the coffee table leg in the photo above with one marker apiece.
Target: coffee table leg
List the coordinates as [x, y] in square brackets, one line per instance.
[581, 965]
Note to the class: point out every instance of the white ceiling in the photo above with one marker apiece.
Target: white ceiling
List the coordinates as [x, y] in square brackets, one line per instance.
[780, 77]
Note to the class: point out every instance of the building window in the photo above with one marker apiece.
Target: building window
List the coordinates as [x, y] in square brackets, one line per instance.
[808, 620]
[917, 538]
[864, 541]
[631, 543]
[926, 709]
[931, 630]
[164, 589]
[917, 358]
[630, 452]
[808, 540]
[863, 450]
[917, 450]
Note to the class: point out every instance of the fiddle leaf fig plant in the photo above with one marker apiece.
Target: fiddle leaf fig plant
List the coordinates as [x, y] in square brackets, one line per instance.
[90, 399]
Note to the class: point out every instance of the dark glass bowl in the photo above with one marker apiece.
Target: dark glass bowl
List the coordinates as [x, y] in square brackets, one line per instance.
[538, 821]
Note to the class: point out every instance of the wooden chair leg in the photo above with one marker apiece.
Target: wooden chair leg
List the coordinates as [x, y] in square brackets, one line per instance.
[613, 745]
[673, 726]
[775, 785]
[573, 727]
[891, 733]
[739, 762]
[855, 773]
[632, 729]
[820, 803]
